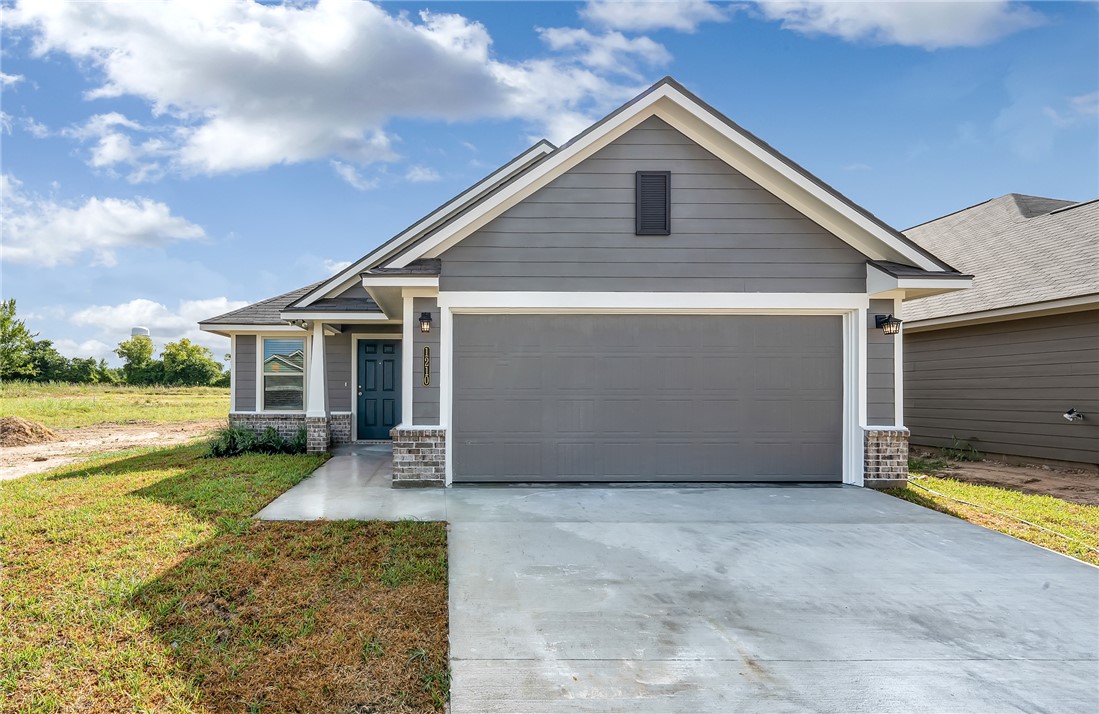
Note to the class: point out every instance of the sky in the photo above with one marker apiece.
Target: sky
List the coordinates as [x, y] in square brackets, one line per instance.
[166, 162]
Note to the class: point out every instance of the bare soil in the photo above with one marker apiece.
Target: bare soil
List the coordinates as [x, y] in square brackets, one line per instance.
[74, 445]
[17, 431]
[1075, 486]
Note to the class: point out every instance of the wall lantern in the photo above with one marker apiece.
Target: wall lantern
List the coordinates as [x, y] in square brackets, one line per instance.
[888, 324]
[425, 322]
[1073, 415]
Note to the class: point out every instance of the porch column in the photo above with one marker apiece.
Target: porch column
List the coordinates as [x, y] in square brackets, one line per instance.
[316, 400]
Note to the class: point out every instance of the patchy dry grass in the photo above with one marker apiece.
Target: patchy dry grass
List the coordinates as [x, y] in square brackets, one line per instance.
[66, 406]
[1078, 524]
[139, 582]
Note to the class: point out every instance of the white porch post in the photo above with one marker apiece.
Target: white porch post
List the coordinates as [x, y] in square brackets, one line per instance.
[316, 393]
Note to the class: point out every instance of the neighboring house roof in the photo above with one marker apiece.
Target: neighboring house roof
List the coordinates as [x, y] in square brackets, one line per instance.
[1022, 249]
[264, 312]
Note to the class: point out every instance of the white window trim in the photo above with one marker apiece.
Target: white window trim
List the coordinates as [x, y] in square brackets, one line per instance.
[355, 338]
[260, 377]
[852, 307]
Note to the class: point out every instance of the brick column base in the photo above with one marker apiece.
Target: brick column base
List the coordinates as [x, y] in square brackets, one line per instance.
[886, 457]
[316, 435]
[419, 456]
[339, 427]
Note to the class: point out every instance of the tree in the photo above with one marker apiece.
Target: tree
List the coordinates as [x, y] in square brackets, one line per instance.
[49, 365]
[189, 364]
[137, 355]
[16, 342]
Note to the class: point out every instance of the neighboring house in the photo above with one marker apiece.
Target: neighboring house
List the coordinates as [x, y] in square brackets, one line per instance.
[999, 366]
[663, 298]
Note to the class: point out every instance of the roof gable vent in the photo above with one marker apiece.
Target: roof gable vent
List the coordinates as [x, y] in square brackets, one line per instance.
[653, 197]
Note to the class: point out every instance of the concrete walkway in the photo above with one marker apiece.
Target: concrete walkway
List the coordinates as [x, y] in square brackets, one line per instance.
[720, 599]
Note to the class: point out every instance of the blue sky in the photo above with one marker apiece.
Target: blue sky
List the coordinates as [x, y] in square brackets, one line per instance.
[164, 163]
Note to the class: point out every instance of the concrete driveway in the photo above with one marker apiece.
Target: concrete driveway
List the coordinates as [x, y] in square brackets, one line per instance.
[721, 599]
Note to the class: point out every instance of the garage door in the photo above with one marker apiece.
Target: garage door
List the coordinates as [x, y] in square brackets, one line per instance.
[542, 398]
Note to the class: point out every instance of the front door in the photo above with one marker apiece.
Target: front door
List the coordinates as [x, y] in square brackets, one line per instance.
[379, 388]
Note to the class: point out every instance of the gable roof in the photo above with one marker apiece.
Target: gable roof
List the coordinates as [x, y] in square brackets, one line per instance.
[1022, 249]
[688, 114]
[264, 312]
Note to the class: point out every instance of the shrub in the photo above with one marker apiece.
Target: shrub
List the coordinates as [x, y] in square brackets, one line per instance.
[232, 440]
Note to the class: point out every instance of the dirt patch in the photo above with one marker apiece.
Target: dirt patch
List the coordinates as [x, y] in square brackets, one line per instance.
[1071, 485]
[17, 431]
[71, 445]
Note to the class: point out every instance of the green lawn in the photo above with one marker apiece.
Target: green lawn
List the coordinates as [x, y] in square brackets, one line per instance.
[64, 406]
[139, 582]
[1078, 525]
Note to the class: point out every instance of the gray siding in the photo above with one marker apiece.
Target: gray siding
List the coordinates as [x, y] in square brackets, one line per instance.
[337, 359]
[728, 233]
[244, 373]
[1003, 386]
[880, 386]
[647, 398]
[425, 400]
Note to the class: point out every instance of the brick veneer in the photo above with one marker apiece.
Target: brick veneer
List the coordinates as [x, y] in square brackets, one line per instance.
[886, 457]
[316, 435]
[286, 425]
[419, 456]
[339, 427]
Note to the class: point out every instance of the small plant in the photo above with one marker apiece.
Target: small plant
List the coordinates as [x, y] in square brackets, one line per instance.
[925, 464]
[961, 451]
[234, 440]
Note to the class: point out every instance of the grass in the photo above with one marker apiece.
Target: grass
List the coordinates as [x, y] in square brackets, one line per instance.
[1078, 522]
[139, 582]
[66, 406]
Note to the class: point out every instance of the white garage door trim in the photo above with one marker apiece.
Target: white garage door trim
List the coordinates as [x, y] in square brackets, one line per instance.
[853, 307]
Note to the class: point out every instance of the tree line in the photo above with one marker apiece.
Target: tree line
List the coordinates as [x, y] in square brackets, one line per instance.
[181, 363]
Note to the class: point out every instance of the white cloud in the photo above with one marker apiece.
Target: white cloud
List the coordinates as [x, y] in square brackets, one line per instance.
[35, 128]
[9, 80]
[610, 52]
[421, 174]
[5, 122]
[642, 15]
[44, 232]
[243, 85]
[164, 322]
[335, 266]
[351, 175]
[85, 349]
[1076, 110]
[930, 24]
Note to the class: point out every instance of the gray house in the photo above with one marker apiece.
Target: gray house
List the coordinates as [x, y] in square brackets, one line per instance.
[1010, 367]
[663, 298]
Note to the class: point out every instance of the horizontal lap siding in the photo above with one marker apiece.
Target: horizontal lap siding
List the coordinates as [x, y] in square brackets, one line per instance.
[337, 357]
[880, 377]
[425, 400]
[728, 234]
[1003, 386]
[244, 367]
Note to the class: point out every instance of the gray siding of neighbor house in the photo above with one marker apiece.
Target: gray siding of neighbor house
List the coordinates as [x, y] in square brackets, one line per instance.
[425, 400]
[1003, 386]
[728, 234]
[647, 398]
[880, 387]
[244, 373]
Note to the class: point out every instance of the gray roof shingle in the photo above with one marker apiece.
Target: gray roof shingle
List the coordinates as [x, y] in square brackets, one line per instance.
[264, 312]
[1020, 249]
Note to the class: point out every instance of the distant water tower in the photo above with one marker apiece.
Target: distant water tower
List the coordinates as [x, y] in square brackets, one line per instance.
[142, 331]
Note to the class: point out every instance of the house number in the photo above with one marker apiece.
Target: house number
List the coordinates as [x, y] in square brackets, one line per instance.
[427, 366]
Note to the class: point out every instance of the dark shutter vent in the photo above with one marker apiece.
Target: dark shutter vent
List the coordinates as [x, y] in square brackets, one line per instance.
[653, 196]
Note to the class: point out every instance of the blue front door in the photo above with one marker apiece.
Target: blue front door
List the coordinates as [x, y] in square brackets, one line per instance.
[379, 388]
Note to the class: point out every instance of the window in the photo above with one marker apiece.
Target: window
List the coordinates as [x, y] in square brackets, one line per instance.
[653, 196]
[283, 374]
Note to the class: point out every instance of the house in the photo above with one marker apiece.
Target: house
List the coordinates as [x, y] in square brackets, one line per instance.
[663, 298]
[1010, 367]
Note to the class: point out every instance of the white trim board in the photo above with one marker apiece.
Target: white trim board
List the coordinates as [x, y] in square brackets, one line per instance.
[1040, 309]
[699, 123]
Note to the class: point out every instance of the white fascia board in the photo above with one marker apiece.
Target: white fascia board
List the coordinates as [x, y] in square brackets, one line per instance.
[1052, 307]
[734, 148]
[347, 277]
[673, 303]
[556, 164]
[401, 281]
[881, 284]
[227, 330]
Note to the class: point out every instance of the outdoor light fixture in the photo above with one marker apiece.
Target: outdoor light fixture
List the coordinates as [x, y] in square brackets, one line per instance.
[1073, 415]
[888, 324]
[425, 322]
